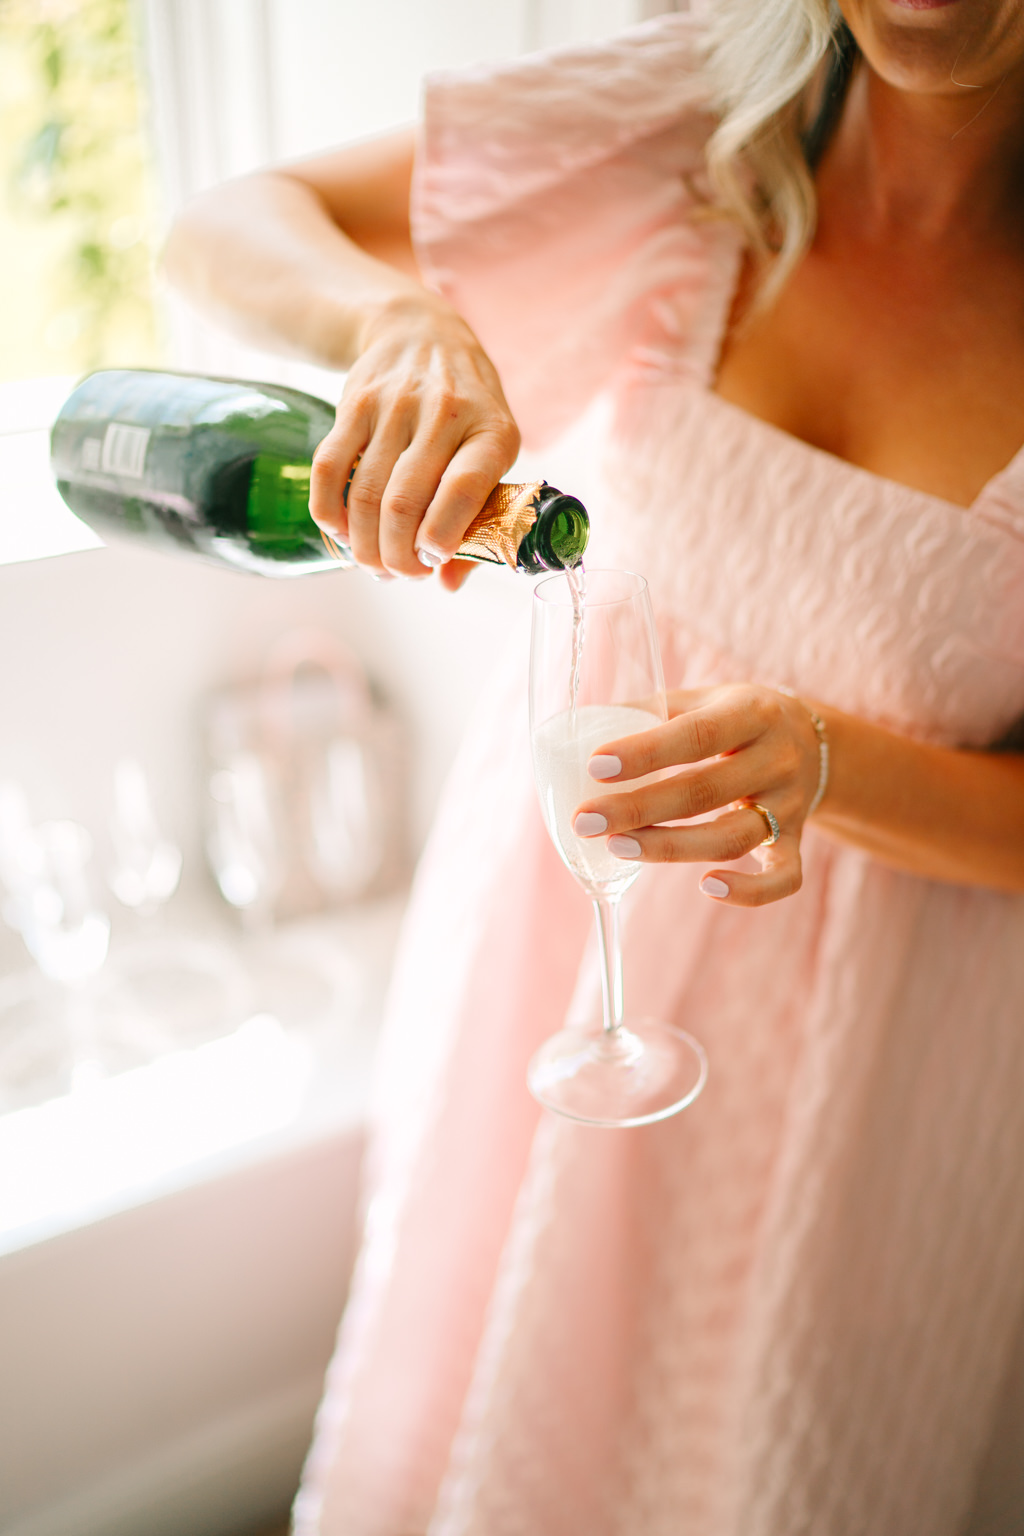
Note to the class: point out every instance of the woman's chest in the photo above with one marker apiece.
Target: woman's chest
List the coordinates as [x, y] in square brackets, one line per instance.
[901, 363]
[791, 566]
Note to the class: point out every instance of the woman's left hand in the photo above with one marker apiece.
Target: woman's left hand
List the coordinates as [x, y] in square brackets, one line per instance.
[738, 742]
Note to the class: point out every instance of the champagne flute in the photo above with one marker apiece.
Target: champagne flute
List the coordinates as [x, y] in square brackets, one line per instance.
[595, 676]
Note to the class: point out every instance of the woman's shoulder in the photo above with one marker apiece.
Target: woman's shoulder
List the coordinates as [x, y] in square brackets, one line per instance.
[553, 203]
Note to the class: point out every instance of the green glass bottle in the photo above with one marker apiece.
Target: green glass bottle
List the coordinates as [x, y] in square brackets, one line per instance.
[221, 467]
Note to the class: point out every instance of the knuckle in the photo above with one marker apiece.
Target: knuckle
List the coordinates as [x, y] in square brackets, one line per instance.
[788, 878]
[326, 463]
[447, 403]
[736, 843]
[701, 796]
[637, 811]
[471, 486]
[788, 761]
[642, 757]
[762, 704]
[509, 438]
[403, 507]
[504, 434]
[705, 736]
[364, 497]
[358, 401]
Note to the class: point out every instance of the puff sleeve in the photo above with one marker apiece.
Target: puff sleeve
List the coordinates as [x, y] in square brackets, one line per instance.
[557, 204]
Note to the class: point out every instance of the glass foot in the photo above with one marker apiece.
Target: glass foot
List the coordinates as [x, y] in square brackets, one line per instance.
[641, 1072]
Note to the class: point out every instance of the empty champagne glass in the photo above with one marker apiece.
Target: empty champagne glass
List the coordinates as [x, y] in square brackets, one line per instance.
[67, 933]
[244, 839]
[146, 867]
[595, 676]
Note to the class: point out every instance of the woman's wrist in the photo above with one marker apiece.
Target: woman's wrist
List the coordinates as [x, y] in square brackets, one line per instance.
[824, 750]
[400, 310]
[942, 812]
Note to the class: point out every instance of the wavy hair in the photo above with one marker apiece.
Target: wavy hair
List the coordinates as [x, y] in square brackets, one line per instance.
[778, 71]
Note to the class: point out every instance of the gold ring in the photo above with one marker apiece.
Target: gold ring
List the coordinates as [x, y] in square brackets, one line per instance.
[351, 477]
[774, 830]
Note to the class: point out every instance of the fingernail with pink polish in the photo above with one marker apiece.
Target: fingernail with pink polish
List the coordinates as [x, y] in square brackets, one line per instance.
[430, 558]
[602, 767]
[624, 847]
[589, 824]
[712, 887]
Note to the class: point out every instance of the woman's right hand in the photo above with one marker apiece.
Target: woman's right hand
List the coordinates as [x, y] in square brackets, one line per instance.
[318, 258]
[424, 413]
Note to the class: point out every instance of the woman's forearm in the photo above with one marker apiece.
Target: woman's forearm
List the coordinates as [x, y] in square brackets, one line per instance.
[304, 259]
[317, 259]
[945, 814]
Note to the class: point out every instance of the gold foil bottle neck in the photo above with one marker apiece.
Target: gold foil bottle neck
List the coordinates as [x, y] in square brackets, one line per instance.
[494, 535]
[502, 524]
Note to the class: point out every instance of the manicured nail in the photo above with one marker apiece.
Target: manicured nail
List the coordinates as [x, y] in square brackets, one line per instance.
[601, 767]
[712, 887]
[589, 824]
[381, 576]
[430, 558]
[624, 847]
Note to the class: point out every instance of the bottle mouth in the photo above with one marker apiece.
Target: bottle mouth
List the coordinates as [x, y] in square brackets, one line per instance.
[562, 534]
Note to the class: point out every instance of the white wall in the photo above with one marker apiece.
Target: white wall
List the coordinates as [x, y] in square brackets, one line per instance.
[240, 82]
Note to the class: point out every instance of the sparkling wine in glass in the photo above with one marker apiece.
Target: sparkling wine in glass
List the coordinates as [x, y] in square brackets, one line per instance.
[595, 676]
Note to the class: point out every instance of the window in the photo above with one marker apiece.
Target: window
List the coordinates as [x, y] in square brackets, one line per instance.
[77, 194]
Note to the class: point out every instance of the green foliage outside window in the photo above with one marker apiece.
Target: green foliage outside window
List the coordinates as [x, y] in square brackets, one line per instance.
[77, 195]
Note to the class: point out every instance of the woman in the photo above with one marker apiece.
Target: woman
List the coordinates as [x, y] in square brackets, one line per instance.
[794, 1307]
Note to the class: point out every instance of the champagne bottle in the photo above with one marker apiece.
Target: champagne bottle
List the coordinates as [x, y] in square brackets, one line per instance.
[221, 467]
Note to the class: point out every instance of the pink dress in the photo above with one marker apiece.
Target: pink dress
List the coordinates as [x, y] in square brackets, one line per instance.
[792, 1309]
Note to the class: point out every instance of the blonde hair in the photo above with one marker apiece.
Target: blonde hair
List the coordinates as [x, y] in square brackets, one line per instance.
[763, 58]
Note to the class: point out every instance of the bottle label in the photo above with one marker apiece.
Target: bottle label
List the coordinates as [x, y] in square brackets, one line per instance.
[124, 450]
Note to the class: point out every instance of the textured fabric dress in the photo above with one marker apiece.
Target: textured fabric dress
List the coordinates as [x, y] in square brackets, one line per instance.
[794, 1307]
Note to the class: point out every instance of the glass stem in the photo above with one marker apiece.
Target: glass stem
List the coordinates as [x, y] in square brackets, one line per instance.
[606, 913]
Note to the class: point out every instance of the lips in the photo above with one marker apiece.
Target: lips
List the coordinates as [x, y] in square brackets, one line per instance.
[923, 5]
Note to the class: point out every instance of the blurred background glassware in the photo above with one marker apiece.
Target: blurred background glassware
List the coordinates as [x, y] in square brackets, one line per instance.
[244, 835]
[146, 865]
[179, 989]
[21, 858]
[67, 933]
[88, 1009]
[66, 930]
[340, 750]
[316, 778]
[343, 842]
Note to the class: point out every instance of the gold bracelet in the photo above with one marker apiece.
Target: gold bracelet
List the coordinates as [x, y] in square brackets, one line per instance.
[823, 756]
